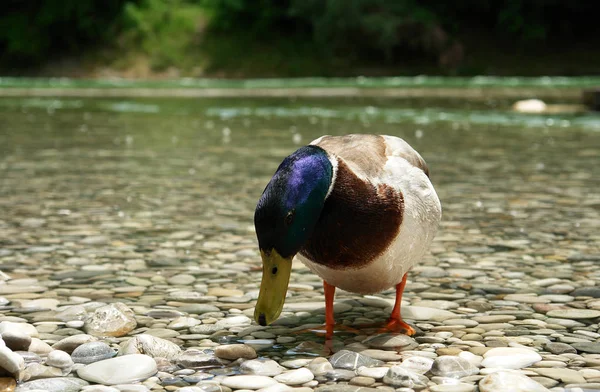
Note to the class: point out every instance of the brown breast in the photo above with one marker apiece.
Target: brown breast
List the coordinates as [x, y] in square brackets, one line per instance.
[358, 223]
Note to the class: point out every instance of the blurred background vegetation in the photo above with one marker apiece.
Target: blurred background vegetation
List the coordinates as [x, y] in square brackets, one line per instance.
[267, 38]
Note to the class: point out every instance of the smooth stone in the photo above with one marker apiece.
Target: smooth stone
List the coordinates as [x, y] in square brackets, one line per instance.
[182, 279]
[115, 320]
[19, 328]
[345, 359]
[120, 370]
[16, 340]
[377, 372]
[195, 359]
[340, 375]
[494, 319]
[592, 348]
[183, 322]
[262, 367]
[574, 314]
[248, 382]
[560, 348]
[70, 343]
[320, 366]
[362, 381]
[420, 365]
[503, 381]
[222, 292]
[235, 351]
[150, 345]
[59, 359]
[399, 342]
[92, 352]
[568, 376]
[582, 292]
[10, 361]
[460, 387]
[35, 371]
[510, 358]
[56, 384]
[295, 377]
[453, 366]
[419, 313]
[98, 388]
[400, 377]
[234, 321]
[39, 347]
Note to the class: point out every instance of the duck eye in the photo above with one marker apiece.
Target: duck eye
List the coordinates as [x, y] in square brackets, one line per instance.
[289, 218]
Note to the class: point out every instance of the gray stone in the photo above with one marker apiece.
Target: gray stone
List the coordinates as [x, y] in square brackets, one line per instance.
[345, 359]
[70, 343]
[560, 348]
[196, 359]
[592, 348]
[398, 376]
[58, 384]
[92, 352]
[454, 367]
[395, 341]
[340, 375]
[295, 377]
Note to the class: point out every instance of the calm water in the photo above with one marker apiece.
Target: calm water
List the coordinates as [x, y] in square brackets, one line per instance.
[136, 171]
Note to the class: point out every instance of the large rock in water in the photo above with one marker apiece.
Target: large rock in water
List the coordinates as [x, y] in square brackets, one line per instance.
[111, 320]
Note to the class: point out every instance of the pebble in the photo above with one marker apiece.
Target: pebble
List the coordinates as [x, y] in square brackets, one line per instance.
[568, 376]
[119, 370]
[70, 343]
[398, 376]
[235, 351]
[295, 377]
[16, 340]
[248, 382]
[111, 320]
[510, 358]
[377, 372]
[55, 384]
[503, 381]
[59, 359]
[18, 328]
[262, 367]
[345, 359]
[417, 364]
[460, 387]
[92, 352]
[454, 367]
[150, 345]
[398, 342]
[574, 314]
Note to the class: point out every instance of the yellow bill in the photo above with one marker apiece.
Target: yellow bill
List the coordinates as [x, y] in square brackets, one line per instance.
[273, 288]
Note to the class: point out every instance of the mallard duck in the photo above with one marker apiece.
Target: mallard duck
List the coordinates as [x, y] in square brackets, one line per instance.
[359, 210]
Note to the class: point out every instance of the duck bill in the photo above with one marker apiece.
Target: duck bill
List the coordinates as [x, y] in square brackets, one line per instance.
[273, 288]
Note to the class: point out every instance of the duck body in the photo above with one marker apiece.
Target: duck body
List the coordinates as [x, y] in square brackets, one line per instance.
[379, 218]
[359, 210]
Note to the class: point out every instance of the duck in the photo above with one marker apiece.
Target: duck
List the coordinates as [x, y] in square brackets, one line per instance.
[359, 210]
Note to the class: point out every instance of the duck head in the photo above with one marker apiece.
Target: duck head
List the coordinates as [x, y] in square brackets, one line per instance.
[285, 217]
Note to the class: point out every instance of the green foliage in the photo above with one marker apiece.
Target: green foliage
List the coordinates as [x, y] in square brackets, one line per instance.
[35, 29]
[165, 30]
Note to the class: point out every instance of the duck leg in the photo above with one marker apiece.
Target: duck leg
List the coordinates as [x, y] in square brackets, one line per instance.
[329, 319]
[395, 322]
